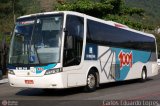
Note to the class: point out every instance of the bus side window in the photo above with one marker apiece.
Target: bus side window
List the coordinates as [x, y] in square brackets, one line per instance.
[73, 41]
[69, 42]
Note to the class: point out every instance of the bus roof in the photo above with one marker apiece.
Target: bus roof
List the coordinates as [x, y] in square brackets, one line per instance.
[112, 23]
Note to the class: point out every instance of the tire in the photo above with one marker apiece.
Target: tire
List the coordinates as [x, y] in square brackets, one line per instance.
[144, 75]
[91, 82]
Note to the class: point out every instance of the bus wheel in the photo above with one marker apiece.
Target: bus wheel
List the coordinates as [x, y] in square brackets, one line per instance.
[144, 75]
[91, 82]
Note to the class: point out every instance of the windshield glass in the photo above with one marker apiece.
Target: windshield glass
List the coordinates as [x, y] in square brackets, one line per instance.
[36, 40]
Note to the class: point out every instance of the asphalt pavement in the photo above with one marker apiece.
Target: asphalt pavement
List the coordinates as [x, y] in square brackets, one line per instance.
[126, 93]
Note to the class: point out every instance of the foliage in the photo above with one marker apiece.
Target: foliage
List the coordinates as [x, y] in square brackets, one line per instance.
[7, 17]
[7, 39]
[7, 6]
[33, 6]
[93, 8]
[151, 8]
[87, 6]
[7, 10]
[115, 10]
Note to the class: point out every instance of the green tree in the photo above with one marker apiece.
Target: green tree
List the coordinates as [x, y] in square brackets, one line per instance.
[114, 10]
[8, 8]
[31, 6]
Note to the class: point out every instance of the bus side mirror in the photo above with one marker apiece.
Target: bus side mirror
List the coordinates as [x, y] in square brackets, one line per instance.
[66, 32]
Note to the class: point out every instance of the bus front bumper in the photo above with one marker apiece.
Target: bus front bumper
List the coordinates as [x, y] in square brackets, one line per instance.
[58, 80]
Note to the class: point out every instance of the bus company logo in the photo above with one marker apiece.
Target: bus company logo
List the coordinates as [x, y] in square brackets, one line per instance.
[125, 59]
[90, 50]
[91, 53]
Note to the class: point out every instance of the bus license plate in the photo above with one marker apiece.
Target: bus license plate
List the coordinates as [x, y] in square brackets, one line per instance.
[29, 82]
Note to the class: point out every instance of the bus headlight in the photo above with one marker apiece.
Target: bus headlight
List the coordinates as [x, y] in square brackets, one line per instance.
[53, 71]
[11, 72]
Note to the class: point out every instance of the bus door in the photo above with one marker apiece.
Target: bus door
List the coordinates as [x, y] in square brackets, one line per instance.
[73, 45]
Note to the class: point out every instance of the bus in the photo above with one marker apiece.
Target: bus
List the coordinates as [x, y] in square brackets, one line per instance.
[64, 49]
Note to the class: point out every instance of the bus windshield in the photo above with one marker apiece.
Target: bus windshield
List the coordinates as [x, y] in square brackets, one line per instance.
[36, 40]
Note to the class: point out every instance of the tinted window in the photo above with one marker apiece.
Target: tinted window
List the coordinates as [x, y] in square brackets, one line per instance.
[73, 40]
[112, 36]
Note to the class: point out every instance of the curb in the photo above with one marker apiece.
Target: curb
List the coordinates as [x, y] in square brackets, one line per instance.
[5, 80]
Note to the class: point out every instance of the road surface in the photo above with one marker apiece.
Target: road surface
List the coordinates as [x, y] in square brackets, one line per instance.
[118, 93]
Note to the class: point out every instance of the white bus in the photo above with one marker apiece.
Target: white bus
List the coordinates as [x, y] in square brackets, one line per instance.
[67, 49]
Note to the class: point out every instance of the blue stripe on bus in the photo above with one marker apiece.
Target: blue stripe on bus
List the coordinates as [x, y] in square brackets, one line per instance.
[39, 69]
[137, 56]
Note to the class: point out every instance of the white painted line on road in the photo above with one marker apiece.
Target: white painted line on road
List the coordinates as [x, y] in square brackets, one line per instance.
[4, 81]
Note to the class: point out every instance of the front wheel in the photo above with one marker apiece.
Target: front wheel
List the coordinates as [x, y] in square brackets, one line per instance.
[91, 82]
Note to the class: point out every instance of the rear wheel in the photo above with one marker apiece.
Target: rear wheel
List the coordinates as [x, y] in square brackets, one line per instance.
[144, 75]
[91, 82]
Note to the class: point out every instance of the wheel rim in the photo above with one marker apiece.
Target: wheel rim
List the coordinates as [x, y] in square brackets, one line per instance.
[91, 81]
[143, 75]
